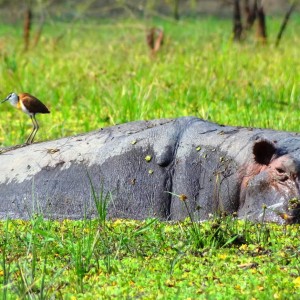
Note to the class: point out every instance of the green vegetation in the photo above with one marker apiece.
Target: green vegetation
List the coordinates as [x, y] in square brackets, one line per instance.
[226, 259]
[92, 75]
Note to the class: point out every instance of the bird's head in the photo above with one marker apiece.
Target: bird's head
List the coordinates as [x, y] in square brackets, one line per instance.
[13, 98]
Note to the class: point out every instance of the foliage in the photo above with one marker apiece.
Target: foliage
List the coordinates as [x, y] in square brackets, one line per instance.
[149, 259]
[92, 75]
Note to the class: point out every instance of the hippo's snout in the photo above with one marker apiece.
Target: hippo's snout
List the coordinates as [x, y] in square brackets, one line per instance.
[270, 186]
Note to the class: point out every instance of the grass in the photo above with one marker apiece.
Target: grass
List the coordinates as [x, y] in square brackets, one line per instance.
[92, 75]
[148, 260]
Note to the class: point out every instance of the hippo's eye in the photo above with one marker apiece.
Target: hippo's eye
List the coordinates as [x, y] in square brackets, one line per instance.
[280, 171]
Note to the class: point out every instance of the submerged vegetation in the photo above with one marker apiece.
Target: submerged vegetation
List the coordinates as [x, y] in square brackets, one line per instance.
[92, 75]
[226, 259]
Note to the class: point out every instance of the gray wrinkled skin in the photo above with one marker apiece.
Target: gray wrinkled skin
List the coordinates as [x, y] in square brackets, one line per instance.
[218, 168]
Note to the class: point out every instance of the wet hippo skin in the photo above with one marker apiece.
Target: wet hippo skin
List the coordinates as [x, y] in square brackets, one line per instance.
[140, 167]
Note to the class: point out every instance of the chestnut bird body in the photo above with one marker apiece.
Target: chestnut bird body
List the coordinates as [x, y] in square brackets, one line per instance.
[29, 105]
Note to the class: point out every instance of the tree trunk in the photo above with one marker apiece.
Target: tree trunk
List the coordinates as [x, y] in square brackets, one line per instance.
[27, 27]
[176, 9]
[237, 21]
[285, 21]
[261, 31]
[250, 13]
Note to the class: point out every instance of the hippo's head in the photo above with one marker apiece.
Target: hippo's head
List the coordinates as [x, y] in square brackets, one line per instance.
[270, 183]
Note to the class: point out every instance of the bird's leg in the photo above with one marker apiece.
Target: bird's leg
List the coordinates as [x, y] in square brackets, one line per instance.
[36, 128]
[28, 141]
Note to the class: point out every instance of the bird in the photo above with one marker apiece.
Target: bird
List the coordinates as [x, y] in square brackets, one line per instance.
[29, 105]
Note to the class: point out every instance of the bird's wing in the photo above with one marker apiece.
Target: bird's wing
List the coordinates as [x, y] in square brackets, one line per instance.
[33, 104]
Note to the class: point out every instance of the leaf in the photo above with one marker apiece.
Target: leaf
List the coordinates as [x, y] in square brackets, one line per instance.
[296, 282]
[148, 158]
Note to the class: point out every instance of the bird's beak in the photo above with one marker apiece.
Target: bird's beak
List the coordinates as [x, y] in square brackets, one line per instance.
[4, 100]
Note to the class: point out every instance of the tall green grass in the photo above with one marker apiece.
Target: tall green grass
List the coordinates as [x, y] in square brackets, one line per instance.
[98, 74]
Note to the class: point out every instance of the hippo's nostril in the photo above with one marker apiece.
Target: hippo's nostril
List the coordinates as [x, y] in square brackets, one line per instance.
[283, 177]
[280, 171]
[281, 174]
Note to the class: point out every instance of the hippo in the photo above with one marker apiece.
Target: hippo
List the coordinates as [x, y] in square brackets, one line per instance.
[168, 169]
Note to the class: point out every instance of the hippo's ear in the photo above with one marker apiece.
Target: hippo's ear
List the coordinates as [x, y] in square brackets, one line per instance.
[263, 151]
